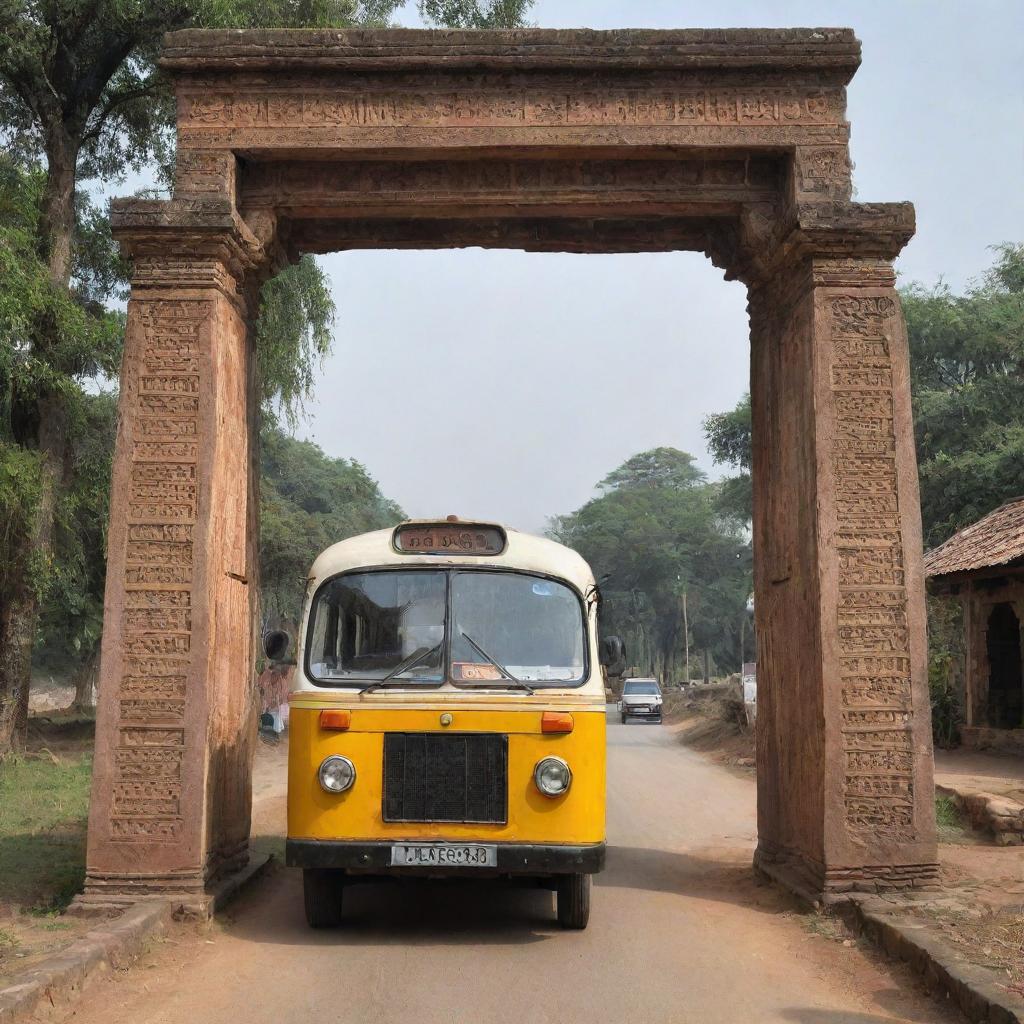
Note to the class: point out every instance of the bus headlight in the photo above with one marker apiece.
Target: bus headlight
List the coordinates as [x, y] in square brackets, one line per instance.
[552, 776]
[337, 774]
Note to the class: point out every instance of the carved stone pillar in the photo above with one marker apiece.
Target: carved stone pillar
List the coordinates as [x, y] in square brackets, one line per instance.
[171, 780]
[845, 793]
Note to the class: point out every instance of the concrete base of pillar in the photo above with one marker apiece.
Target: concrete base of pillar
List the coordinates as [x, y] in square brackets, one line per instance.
[192, 897]
[817, 886]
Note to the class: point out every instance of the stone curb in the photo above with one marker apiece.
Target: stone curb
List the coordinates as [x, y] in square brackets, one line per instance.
[1000, 816]
[114, 945]
[976, 990]
[61, 978]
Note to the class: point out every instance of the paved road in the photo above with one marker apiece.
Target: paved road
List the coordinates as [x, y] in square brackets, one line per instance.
[680, 933]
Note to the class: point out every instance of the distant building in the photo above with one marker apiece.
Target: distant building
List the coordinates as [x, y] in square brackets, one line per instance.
[983, 567]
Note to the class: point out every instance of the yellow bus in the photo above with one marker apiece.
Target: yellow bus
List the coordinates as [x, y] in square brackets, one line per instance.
[448, 716]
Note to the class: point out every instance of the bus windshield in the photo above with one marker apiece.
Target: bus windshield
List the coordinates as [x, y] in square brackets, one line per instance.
[426, 627]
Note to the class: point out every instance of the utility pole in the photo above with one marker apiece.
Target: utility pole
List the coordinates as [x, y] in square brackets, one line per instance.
[686, 638]
[743, 637]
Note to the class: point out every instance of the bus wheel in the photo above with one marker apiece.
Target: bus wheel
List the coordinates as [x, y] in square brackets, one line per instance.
[573, 900]
[322, 892]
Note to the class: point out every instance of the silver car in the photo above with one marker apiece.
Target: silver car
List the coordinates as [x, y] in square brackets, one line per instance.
[641, 698]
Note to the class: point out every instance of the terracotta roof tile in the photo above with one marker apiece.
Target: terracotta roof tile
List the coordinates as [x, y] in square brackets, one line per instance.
[997, 539]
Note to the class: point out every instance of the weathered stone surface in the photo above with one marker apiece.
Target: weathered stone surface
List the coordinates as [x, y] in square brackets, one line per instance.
[170, 804]
[731, 143]
[838, 583]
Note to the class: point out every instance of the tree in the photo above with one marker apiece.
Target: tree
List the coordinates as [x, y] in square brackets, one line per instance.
[656, 533]
[81, 97]
[473, 14]
[71, 618]
[308, 502]
[967, 385]
[54, 337]
[659, 467]
[967, 389]
[728, 435]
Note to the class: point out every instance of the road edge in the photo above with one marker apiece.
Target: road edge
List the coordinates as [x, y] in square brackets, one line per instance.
[61, 978]
[974, 989]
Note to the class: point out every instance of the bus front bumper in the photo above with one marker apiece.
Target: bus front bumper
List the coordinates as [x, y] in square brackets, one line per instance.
[512, 858]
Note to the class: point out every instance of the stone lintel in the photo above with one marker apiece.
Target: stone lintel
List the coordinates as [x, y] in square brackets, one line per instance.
[530, 234]
[834, 50]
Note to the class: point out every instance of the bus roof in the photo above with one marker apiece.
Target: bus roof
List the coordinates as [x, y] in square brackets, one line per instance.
[523, 551]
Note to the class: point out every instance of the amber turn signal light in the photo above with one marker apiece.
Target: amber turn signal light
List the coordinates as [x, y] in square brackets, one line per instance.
[556, 721]
[335, 719]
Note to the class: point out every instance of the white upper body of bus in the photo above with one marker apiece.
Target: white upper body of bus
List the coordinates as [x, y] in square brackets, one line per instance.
[435, 610]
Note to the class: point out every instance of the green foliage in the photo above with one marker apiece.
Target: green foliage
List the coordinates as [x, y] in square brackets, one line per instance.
[71, 620]
[728, 436]
[656, 533]
[308, 501]
[20, 487]
[947, 814]
[947, 713]
[92, 68]
[659, 467]
[81, 95]
[967, 380]
[55, 340]
[81, 338]
[293, 334]
[474, 14]
[967, 386]
[945, 669]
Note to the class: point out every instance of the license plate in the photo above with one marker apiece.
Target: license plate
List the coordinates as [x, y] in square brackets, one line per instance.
[446, 855]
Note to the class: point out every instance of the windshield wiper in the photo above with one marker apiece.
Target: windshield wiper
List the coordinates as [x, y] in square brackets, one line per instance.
[516, 683]
[417, 657]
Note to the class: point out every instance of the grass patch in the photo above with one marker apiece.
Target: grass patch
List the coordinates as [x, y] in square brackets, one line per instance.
[947, 814]
[950, 824]
[44, 807]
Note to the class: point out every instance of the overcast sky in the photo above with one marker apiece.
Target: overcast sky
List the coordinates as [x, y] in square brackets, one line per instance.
[506, 384]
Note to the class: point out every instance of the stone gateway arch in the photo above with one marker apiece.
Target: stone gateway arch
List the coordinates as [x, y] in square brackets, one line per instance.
[729, 143]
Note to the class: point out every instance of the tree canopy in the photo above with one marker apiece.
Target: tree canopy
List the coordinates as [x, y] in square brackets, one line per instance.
[967, 385]
[657, 534]
[967, 388]
[82, 98]
[728, 437]
[308, 501]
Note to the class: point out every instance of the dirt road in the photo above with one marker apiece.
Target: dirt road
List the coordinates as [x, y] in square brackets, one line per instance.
[680, 933]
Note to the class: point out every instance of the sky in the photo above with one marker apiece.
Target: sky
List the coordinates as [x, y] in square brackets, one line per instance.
[505, 385]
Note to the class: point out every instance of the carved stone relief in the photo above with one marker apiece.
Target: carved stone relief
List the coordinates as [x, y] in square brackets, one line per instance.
[156, 622]
[430, 103]
[877, 714]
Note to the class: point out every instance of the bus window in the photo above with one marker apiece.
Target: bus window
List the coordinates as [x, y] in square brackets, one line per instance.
[364, 625]
[532, 627]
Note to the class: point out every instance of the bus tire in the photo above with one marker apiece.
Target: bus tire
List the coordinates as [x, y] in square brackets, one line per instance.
[322, 892]
[573, 899]
[623, 719]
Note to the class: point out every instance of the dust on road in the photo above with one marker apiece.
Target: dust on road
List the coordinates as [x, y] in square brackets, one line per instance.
[680, 932]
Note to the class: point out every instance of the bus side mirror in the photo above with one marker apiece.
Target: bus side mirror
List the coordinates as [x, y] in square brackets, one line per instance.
[613, 655]
[276, 644]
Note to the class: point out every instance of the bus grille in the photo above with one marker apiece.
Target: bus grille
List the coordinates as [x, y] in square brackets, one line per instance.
[455, 777]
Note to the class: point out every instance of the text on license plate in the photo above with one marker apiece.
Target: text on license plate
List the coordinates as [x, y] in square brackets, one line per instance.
[446, 855]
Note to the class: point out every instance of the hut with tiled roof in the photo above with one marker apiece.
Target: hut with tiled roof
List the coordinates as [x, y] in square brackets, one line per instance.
[983, 567]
